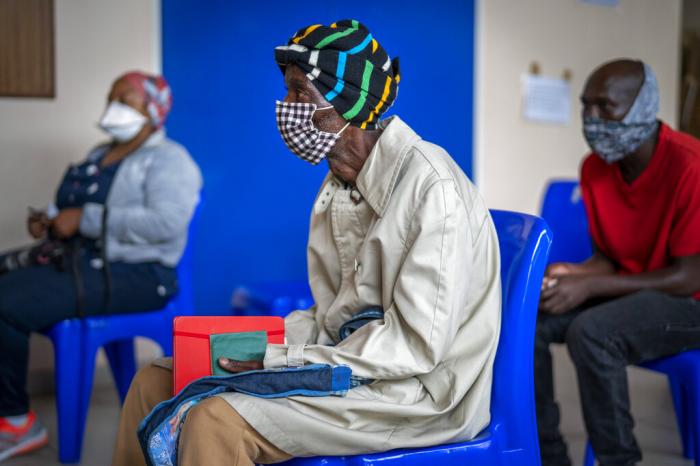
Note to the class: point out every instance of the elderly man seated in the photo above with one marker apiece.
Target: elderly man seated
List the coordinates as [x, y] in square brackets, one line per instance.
[396, 226]
[636, 298]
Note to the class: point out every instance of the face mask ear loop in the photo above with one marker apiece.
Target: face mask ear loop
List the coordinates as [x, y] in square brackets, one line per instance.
[328, 108]
[321, 108]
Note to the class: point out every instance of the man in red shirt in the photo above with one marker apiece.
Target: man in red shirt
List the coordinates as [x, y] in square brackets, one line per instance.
[636, 298]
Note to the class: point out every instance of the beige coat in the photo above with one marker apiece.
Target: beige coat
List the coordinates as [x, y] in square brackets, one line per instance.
[416, 239]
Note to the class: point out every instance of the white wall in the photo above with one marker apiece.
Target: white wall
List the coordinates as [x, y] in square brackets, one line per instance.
[96, 40]
[514, 158]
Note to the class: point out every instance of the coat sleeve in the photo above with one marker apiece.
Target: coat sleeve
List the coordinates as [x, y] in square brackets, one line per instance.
[300, 326]
[420, 325]
[171, 189]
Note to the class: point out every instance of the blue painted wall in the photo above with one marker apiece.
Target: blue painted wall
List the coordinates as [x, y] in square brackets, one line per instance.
[218, 57]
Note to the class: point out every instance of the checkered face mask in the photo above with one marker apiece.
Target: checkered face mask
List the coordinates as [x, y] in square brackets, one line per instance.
[299, 133]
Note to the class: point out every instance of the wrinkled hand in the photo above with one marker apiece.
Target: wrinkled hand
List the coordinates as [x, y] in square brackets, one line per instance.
[564, 293]
[235, 367]
[38, 224]
[67, 222]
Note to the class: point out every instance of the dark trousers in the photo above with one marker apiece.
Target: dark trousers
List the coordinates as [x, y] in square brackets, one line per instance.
[34, 298]
[602, 340]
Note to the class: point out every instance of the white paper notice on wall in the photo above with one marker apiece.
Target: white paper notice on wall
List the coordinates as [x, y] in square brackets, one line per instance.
[546, 99]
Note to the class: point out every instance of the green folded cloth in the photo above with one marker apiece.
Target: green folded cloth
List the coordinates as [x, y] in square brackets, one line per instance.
[240, 346]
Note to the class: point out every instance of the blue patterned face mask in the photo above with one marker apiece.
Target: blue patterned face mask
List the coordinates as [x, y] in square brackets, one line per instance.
[613, 140]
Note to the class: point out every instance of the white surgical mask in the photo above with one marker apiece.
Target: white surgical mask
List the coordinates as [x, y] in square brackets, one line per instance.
[121, 121]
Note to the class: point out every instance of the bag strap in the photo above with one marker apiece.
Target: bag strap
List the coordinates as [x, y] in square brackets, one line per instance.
[73, 249]
[106, 270]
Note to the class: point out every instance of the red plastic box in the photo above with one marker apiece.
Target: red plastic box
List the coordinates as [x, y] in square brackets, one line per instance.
[192, 357]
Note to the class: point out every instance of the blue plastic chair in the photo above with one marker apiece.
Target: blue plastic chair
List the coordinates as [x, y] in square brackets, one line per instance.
[564, 211]
[563, 207]
[76, 342]
[276, 298]
[511, 437]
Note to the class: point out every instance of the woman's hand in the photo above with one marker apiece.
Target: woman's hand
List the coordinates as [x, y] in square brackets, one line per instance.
[38, 224]
[67, 222]
[236, 367]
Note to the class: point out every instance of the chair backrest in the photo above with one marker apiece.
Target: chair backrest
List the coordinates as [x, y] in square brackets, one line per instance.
[183, 302]
[524, 242]
[564, 212]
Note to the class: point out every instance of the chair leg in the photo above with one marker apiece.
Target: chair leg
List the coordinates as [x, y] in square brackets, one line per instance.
[589, 456]
[122, 360]
[684, 420]
[66, 337]
[693, 403]
[89, 353]
[680, 405]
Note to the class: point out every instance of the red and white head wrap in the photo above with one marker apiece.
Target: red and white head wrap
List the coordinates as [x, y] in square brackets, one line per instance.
[155, 91]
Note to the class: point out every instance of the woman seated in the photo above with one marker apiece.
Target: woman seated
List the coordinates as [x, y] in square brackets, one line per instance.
[108, 245]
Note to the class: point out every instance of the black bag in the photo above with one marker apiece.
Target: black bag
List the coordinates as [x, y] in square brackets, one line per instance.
[46, 252]
[64, 254]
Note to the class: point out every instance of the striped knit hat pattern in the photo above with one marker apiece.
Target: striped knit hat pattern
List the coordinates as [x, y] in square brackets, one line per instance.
[348, 67]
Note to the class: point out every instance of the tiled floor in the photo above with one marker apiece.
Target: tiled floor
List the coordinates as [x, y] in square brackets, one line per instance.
[651, 405]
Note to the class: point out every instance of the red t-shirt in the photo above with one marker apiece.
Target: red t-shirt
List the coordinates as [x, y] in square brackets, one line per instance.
[643, 225]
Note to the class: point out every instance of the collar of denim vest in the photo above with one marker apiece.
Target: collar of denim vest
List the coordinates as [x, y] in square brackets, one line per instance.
[378, 176]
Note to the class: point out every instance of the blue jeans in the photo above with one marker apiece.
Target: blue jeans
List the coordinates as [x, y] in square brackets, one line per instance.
[34, 298]
[602, 340]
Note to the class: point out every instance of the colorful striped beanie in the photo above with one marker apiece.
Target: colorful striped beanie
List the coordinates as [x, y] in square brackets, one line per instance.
[155, 91]
[348, 67]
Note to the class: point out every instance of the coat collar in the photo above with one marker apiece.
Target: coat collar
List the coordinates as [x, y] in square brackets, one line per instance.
[154, 139]
[377, 179]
